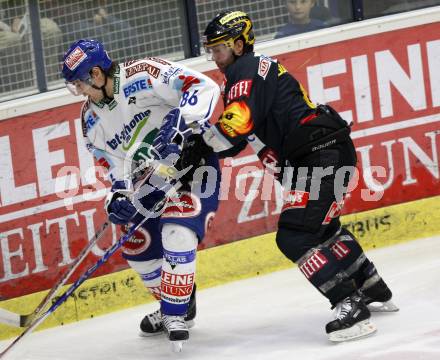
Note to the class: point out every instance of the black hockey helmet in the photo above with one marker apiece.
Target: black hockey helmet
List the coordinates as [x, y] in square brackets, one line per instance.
[227, 27]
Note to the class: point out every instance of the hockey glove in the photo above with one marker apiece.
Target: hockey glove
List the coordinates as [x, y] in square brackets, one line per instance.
[270, 161]
[171, 136]
[119, 208]
[194, 151]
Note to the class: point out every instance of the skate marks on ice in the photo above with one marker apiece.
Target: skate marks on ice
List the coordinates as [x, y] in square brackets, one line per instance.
[270, 317]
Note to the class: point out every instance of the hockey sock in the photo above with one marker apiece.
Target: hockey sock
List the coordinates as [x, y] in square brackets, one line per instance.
[178, 269]
[322, 269]
[149, 272]
[351, 257]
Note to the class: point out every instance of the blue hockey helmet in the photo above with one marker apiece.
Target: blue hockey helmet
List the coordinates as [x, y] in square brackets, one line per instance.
[81, 57]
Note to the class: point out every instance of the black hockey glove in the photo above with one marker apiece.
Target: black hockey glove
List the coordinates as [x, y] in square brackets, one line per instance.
[193, 154]
[271, 162]
[194, 151]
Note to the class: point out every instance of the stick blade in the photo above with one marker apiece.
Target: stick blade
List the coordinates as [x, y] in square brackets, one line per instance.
[10, 318]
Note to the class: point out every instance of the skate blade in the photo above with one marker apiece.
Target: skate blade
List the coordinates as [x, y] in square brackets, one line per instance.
[177, 346]
[148, 335]
[359, 330]
[387, 306]
[189, 323]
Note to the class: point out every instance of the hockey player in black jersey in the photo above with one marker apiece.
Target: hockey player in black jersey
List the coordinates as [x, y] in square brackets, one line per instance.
[265, 104]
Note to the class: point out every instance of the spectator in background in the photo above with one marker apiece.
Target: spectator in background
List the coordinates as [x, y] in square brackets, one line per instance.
[299, 18]
[7, 37]
[97, 23]
[114, 30]
[51, 37]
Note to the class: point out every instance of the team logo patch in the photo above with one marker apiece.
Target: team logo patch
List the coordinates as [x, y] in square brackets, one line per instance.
[138, 243]
[264, 66]
[296, 199]
[236, 119]
[76, 57]
[182, 206]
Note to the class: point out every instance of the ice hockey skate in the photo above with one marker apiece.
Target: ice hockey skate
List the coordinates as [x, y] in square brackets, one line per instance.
[152, 324]
[377, 297]
[352, 320]
[177, 331]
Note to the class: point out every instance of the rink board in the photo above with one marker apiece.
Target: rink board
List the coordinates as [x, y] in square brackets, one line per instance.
[238, 260]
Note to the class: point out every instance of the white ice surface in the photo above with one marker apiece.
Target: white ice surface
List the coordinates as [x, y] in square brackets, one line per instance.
[277, 316]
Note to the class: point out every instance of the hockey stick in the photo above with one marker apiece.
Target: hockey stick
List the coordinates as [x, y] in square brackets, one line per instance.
[19, 320]
[159, 206]
[10, 318]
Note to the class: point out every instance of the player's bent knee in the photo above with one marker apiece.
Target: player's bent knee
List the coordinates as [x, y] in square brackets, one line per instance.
[150, 273]
[145, 267]
[178, 238]
[294, 243]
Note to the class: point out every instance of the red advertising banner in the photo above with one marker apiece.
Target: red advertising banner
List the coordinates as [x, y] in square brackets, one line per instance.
[389, 89]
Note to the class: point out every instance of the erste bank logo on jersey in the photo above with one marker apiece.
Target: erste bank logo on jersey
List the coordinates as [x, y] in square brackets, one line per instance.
[137, 85]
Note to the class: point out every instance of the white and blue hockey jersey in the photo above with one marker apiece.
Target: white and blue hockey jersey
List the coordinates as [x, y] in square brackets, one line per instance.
[119, 133]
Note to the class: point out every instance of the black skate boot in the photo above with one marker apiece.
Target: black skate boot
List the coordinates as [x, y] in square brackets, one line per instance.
[177, 331]
[152, 324]
[377, 295]
[352, 320]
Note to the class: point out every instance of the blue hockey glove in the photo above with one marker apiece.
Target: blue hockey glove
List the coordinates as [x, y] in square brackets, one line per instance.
[119, 208]
[171, 136]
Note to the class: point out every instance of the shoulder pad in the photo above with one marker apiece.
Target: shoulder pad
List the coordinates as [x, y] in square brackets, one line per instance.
[244, 68]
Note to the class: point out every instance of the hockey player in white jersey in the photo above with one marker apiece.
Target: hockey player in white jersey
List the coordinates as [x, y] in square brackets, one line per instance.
[126, 105]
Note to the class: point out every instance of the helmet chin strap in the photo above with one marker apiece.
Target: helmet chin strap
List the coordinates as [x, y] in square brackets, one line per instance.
[106, 98]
